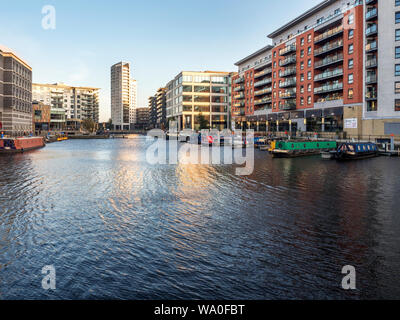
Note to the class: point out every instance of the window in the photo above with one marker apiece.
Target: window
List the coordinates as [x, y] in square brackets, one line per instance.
[302, 41]
[397, 105]
[302, 65]
[351, 48]
[351, 19]
[302, 89]
[351, 63]
[309, 63]
[309, 39]
[397, 53]
[309, 50]
[351, 33]
[397, 87]
[309, 89]
[302, 53]
[309, 75]
[351, 78]
[350, 94]
[397, 17]
[309, 100]
[397, 3]
[302, 101]
[302, 77]
[397, 70]
[398, 35]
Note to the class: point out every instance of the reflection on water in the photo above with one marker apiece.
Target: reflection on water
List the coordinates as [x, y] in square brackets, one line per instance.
[117, 227]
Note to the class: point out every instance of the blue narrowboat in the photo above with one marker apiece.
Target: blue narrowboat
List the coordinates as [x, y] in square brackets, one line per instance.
[356, 150]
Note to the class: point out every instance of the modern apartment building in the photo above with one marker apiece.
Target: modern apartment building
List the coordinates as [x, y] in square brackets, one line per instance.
[152, 104]
[123, 96]
[15, 93]
[334, 67]
[142, 118]
[69, 105]
[191, 94]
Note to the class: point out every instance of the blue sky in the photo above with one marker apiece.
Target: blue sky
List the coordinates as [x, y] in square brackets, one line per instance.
[160, 38]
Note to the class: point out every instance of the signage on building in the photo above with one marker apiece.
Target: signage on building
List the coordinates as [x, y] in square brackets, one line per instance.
[350, 123]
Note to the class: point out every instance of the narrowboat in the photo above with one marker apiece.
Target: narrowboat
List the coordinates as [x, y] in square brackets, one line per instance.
[19, 145]
[289, 149]
[356, 150]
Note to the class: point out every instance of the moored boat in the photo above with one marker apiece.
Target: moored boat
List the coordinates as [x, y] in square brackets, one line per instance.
[356, 150]
[288, 149]
[19, 145]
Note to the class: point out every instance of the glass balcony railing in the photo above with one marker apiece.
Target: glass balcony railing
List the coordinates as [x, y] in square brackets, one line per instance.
[328, 60]
[328, 34]
[287, 61]
[328, 88]
[262, 73]
[240, 88]
[262, 101]
[371, 63]
[288, 94]
[288, 49]
[289, 105]
[288, 83]
[371, 14]
[328, 47]
[328, 74]
[287, 72]
[261, 92]
[238, 80]
[371, 79]
[371, 46]
[371, 30]
[263, 82]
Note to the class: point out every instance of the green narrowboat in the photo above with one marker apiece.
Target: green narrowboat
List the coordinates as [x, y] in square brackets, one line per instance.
[288, 149]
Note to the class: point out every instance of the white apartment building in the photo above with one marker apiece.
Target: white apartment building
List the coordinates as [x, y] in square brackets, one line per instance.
[76, 103]
[123, 96]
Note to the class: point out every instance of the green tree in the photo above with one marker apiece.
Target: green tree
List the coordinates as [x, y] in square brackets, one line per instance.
[203, 122]
[89, 125]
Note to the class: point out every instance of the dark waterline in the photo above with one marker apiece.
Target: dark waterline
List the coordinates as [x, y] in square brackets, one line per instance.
[117, 227]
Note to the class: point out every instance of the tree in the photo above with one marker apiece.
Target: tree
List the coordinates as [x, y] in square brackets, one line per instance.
[89, 125]
[109, 124]
[203, 122]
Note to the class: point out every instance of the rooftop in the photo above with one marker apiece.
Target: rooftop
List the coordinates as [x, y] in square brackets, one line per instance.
[255, 54]
[301, 18]
[9, 51]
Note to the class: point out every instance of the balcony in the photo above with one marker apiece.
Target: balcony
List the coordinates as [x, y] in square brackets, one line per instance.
[287, 72]
[262, 92]
[328, 34]
[263, 73]
[329, 101]
[263, 82]
[373, 46]
[239, 80]
[370, 79]
[328, 88]
[288, 49]
[371, 95]
[371, 14]
[289, 105]
[288, 83]
[328, 47]
[240, 88]
[328, 61]
[371, 63]
[287, 61]
[262, 101]
[289, 94]
[329, 74]
[238, 104]
[372, 30]
[239, 96]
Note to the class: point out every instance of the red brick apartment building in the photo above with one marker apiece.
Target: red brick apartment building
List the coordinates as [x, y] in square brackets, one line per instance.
[321, 72]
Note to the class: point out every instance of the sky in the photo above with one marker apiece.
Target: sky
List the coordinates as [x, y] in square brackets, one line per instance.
[160, 38]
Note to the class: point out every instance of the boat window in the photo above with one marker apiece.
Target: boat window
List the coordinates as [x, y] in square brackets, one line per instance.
[351, 148]
[369, 147]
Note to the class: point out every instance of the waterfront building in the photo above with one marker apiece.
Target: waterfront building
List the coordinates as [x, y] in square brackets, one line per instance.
[15, 93]
[335, 67]
[41, 116]
[191, 94]
[142, 118]
[69, 104]
[152, 104]
[123, 96]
